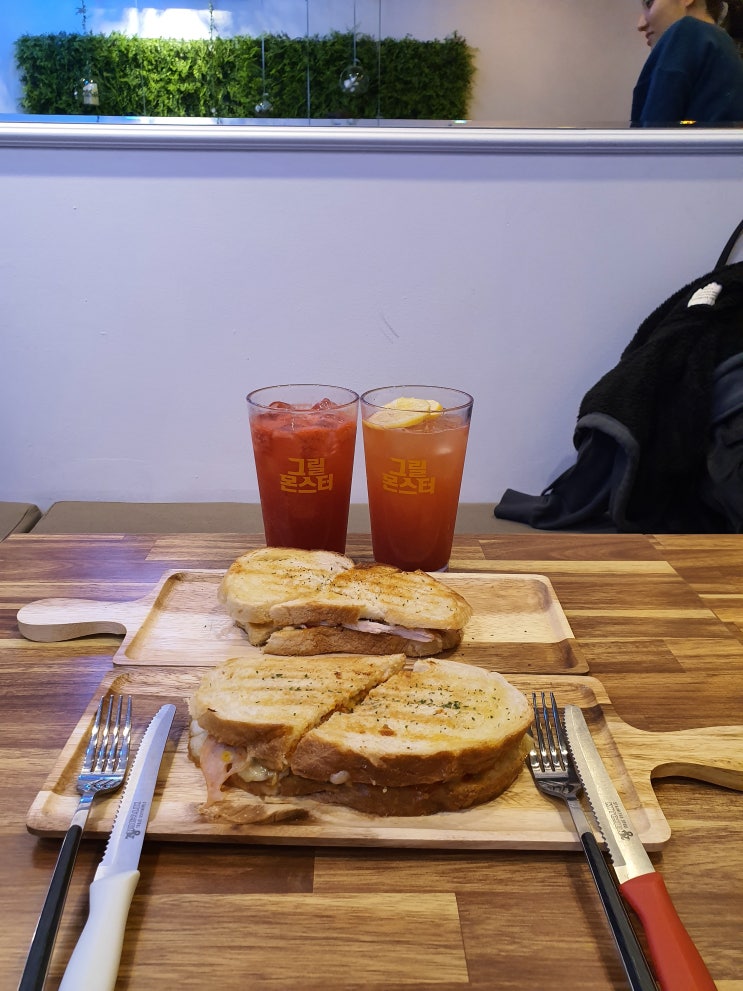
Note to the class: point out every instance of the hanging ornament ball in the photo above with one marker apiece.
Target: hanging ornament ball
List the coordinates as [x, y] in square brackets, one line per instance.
[264, 108]
[354, 80]
[87, 93]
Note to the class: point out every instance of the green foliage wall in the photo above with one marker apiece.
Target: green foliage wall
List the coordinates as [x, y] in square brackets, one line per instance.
[408, 79]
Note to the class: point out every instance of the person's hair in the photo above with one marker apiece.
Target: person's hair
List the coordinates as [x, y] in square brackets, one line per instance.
[716, 9]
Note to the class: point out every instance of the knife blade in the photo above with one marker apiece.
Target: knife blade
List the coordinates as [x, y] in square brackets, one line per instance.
[94, 964]
[678, 963]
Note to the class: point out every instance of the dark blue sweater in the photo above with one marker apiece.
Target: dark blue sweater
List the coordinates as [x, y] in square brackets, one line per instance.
[694, 74]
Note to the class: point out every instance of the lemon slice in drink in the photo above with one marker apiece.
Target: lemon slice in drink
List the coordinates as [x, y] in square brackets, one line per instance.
[404, 412]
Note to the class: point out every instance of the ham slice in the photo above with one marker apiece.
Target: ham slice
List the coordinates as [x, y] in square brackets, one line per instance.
[218, 761]
[370, 626]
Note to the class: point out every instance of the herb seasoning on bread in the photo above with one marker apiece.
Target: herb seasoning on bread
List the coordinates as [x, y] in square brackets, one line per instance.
[295, 602]
[360, 731]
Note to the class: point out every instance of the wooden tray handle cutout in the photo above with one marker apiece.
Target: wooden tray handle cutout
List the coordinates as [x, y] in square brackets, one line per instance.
[710, 753]
[49, 620]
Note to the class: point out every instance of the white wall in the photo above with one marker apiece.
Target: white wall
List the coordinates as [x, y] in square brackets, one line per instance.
[144, 293]
[541, 63]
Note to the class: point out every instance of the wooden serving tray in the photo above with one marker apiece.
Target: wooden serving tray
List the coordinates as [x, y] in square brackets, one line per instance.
[521, 818]
[518, 623]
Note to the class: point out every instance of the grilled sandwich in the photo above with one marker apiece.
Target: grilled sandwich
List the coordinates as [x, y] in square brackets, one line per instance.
[294, 602]
[372, 735]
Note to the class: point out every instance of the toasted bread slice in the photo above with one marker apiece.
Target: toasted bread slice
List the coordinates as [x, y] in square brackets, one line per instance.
[260, 633]
[329, 639]
[377, 592]
[266, 704]
[262, 578]
[410, 800]
[443, 720]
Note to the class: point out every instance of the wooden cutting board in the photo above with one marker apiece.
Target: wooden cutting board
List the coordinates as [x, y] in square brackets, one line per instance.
[518, 623]
[521, 818]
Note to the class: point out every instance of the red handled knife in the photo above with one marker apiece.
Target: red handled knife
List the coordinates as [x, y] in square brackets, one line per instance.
[677, 962]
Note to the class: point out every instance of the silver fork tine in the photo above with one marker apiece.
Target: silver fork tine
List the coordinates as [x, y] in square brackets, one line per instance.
[90, 752]
[554, 724]
[549, 742]
[103, 770]
[538, 728]
[554, 774]
[553, 730]
[102, 752]
[125, 739]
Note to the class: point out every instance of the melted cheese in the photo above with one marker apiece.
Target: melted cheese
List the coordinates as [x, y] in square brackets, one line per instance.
[253, 771]
[219, 761]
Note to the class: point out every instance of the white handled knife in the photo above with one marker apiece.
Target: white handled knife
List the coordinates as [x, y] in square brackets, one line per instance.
[94, 964]
[678, 964]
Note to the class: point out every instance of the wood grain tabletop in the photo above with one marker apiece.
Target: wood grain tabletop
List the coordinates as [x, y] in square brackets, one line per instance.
[659, 622]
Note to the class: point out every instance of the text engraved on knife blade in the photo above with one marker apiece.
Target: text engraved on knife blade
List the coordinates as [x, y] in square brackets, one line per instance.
[137, 819]
[619, 819]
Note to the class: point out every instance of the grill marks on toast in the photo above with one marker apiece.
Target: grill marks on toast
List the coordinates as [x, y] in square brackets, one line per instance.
[258, 580]
[288, 600]
[268, 704]
[378, 592]
[365, 732]
[412, 598]
[439, 721]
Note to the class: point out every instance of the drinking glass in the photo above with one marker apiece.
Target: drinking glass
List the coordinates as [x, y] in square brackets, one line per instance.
[414, 460]
[304, 439]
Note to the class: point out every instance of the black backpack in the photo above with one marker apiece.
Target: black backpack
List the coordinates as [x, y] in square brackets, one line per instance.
[660, 436]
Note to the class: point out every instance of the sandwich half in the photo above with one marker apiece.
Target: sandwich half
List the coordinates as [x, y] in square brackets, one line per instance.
[294, 602]
[440, 737]
[248, 715]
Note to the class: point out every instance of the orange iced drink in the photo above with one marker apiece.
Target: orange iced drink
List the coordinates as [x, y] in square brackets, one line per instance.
[304, 438]
[415, 441]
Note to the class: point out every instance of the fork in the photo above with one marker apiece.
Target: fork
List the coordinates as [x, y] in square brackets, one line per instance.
[555, 775]
[103, 770]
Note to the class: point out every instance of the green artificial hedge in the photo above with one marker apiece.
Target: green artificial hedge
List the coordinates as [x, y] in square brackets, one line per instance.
[223, 77]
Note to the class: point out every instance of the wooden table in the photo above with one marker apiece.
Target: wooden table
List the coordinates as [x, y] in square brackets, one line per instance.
[660, 622]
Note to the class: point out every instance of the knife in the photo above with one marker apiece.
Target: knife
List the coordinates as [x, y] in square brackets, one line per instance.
[94, 964]
[677, 962]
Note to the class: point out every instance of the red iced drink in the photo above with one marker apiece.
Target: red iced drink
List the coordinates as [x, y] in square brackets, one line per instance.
[304, 438]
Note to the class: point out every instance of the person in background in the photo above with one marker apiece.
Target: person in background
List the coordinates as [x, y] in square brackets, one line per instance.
[694, 73]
